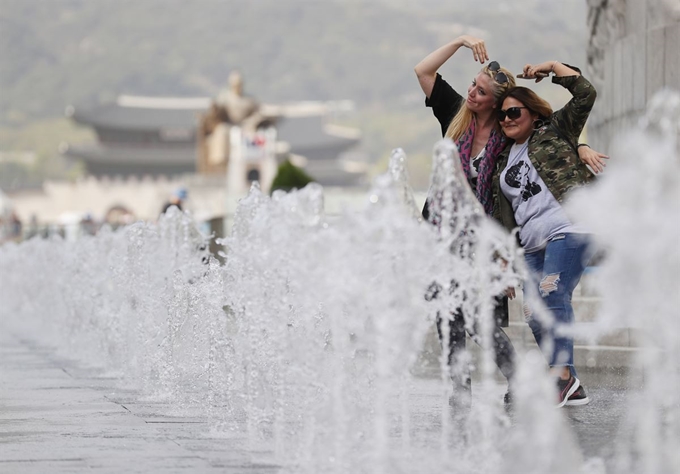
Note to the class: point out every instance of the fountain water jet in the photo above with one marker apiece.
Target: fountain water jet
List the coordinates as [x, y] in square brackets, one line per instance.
[636, 221]
[301, 343]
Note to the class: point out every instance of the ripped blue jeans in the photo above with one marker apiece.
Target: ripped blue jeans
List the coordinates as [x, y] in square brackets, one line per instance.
[554, 272]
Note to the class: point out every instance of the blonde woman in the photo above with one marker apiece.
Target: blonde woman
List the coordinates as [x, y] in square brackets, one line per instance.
[471, 122]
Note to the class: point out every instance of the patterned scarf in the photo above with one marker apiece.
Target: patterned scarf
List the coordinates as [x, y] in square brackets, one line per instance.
[494, 146]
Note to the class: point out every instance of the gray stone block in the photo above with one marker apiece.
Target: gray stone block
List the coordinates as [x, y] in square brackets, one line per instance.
[585, 357]
[636, 17]
[516, 313]
[594, 357]
[639, 71]
[588, 284]
[672, 57]
[598, 138]
[616, 78]
[615, 350]
[659, 13]
[609, 92]
[586, 308]
[585, 301]
[638, 337]
[655, 61]
[639, 45]
[627, 77]
[586, 335]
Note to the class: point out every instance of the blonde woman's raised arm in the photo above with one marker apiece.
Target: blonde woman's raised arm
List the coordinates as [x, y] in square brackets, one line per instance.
[426, 70]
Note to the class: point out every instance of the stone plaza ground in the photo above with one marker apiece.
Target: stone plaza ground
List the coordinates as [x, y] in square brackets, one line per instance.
[57, 416]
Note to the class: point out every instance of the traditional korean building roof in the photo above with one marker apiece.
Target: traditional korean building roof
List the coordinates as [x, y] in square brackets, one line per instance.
[144, 113]
[303, 127]
[133, 154]
[157, 135]
[135, 160]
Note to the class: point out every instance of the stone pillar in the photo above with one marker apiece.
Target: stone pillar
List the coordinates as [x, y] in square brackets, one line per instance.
[236, 168]
[269, 165]
[633, 52]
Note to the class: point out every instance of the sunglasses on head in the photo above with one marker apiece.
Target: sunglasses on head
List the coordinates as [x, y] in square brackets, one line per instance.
[500, 77]
[512, 113]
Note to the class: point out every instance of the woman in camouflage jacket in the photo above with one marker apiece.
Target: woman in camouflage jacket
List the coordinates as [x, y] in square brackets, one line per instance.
[533, 176]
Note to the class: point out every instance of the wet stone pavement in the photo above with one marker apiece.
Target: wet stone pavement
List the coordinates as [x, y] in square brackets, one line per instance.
[59, 417]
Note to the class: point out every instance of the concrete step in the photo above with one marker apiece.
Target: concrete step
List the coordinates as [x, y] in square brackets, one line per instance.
[585, 335]
[586, 299]
[615, 350]
[585, 308]
[605, 359]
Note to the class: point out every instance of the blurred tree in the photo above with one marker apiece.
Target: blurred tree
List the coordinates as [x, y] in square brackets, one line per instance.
[289, 177]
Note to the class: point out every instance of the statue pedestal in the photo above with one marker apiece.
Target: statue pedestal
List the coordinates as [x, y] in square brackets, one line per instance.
[252, 157]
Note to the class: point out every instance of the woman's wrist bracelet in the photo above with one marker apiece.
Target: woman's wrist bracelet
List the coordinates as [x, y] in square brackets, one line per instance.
[552, 69]
[582, 144]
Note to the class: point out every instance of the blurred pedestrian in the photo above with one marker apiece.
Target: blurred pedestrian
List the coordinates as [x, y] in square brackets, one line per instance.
[176, 199]
[15, 227]
[87, 224]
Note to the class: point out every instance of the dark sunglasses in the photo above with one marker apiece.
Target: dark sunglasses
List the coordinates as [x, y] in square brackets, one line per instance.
[500, 77]
[512, 113]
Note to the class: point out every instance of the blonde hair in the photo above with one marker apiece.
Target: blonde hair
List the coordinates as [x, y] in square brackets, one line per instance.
[463, 118]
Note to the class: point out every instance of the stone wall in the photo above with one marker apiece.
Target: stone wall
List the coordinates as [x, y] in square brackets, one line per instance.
[60, 202]
[633, 52]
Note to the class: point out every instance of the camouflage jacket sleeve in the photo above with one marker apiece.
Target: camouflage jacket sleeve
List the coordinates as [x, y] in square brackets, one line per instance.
[571, 118]
[552, 147]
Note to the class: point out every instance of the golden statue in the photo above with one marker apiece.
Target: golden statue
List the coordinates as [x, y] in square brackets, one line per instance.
[232, 108]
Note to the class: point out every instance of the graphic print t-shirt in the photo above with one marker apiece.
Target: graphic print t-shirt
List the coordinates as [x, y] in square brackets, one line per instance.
[537, 212]
[475, 161]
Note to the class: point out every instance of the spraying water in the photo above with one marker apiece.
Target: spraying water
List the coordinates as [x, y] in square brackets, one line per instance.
[637, 220]
[302, 342]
